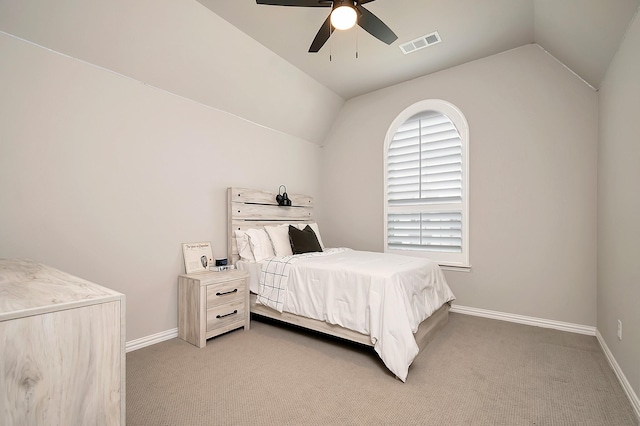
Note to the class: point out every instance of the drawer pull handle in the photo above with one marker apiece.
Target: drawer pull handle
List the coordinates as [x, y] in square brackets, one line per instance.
[235, 311]
[235, 290]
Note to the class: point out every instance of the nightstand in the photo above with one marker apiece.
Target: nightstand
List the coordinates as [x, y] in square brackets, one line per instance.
[212, 303]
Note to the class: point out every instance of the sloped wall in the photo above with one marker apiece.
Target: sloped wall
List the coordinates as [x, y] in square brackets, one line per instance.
[182, 47]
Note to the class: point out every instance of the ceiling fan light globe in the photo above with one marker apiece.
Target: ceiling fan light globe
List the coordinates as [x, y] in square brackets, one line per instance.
[343, 17]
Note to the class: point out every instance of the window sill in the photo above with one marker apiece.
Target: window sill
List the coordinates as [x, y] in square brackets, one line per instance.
[456, 268]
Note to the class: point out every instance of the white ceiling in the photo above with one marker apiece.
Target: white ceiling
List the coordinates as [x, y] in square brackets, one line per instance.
[583, 34]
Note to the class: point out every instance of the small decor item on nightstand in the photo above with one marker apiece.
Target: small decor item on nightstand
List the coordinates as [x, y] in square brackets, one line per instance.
[197, 257]
[222, 268]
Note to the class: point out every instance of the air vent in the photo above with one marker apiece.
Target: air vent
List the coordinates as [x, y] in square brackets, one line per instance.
[421, 43]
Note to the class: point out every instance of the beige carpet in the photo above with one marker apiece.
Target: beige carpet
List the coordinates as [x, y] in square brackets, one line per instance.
[476, 372]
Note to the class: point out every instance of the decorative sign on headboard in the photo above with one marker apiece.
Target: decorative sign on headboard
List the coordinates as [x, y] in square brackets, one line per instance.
[250, 208]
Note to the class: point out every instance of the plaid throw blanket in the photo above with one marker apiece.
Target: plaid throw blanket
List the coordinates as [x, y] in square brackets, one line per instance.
[273, 281]
[274, 277]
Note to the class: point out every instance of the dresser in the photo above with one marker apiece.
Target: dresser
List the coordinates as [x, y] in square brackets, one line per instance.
[62, 348]
[212, 303]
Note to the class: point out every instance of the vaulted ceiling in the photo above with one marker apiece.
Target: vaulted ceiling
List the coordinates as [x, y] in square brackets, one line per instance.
[582, 34]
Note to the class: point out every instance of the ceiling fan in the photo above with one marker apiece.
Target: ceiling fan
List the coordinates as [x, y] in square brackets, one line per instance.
[344, 14]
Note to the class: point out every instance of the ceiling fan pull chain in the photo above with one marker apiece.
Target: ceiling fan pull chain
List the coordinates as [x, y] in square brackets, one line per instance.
[357, 31]
[330, 44]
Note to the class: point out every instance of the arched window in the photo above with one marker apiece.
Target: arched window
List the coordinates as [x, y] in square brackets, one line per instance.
[427, 183]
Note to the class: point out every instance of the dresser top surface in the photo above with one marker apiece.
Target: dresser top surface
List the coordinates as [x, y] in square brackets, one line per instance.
[30, 288]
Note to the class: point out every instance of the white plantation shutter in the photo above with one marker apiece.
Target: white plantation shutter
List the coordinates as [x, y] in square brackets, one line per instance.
[425, 231]
[425, 161]
[425, 194]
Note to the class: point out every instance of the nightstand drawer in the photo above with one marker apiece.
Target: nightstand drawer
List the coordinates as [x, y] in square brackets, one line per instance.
[225, 292]
[226, 314]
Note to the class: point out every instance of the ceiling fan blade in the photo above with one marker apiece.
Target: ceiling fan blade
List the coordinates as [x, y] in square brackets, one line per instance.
[374, 26]
[301, 3]
[323, 35]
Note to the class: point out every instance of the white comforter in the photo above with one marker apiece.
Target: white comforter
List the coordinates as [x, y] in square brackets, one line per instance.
[382, 295]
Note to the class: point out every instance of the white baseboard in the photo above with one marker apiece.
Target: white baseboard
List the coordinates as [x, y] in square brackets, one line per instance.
[633, 398]
[136, 344]
[521, 319]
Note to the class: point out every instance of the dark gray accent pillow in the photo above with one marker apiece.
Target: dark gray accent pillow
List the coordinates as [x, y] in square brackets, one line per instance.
[303, 241]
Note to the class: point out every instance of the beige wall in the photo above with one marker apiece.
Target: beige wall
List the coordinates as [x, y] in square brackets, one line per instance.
[118, 143]
[104, 177]
[533, 146]
[619, 207]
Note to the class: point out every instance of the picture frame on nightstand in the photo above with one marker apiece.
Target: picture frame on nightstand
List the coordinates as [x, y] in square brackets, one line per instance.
[197, 256]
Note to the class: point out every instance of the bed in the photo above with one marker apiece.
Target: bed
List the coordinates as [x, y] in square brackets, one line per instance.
[372, 309]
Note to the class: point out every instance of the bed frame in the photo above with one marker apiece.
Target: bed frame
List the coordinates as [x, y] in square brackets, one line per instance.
[249, 208]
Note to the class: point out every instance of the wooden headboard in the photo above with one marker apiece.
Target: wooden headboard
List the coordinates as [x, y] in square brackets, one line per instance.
[250, 208]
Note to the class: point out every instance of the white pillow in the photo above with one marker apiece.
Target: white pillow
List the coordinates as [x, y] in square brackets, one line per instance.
[244, 248]
[279, 236]
[316, 231]
[260, 244]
